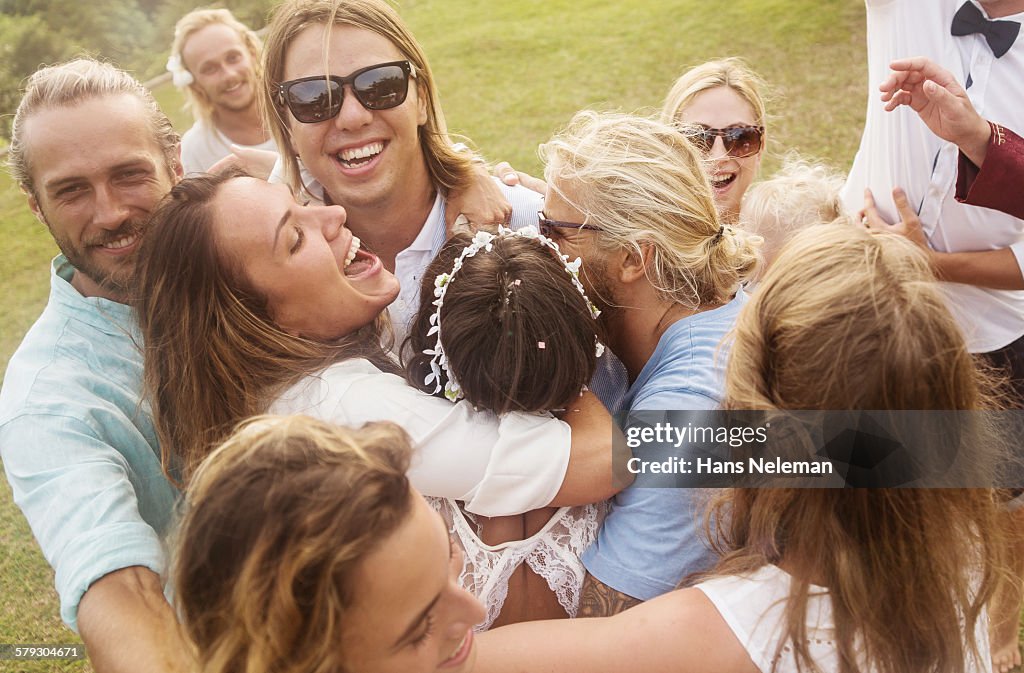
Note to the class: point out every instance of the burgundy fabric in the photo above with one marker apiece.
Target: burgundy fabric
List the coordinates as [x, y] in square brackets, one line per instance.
[999, 183]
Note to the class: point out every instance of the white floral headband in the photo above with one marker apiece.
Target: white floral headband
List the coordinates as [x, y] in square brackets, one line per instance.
[484, 240]
[180, 75]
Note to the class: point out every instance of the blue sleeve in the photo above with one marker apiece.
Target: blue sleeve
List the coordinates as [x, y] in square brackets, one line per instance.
[79, 496]
[652, 537]
[672, 400]
[525, 203]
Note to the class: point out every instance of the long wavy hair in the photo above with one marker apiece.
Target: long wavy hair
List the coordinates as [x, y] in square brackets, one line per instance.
[278, 520]
[643, 183]
[213, 354]
[847, 320]
[448, 168]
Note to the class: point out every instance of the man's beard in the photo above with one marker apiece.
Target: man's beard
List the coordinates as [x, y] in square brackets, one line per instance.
[117, 278]
[594, 275]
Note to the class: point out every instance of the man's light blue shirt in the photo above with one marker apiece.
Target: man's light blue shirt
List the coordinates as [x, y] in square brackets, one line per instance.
[79, 446]
[651, 537]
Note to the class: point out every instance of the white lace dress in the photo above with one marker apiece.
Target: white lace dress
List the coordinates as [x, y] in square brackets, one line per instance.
[553, 553]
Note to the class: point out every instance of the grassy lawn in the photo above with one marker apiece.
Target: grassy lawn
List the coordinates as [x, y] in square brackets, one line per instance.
[510, 74]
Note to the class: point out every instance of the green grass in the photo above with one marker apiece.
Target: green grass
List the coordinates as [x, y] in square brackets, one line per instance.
[510, 74]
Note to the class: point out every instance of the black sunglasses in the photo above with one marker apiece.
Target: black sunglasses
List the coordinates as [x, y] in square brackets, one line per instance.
[739, 141]
[318, 98]
[547, 227]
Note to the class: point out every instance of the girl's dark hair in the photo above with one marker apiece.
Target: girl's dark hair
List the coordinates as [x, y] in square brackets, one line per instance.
[517, 333]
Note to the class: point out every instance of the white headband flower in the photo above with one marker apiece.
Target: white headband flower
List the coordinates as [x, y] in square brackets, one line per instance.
[181, 76]
[484, 240]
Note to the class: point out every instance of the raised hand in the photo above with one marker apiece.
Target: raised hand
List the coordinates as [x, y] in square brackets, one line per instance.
[943, 105]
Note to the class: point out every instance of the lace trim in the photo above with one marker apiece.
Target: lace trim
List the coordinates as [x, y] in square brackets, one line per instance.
[553, 553]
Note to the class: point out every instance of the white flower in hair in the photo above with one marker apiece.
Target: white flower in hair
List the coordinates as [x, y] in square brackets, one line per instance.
[180, 75]
[484, 240]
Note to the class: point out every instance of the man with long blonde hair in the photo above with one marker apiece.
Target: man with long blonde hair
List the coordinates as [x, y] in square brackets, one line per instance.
[215, 62]
[630, 197]
[355, 109]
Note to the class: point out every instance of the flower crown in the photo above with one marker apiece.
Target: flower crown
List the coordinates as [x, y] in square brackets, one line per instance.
[484, 240]
[180, 75]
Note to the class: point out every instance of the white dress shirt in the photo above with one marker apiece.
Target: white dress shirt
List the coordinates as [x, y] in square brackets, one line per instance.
[897, 149]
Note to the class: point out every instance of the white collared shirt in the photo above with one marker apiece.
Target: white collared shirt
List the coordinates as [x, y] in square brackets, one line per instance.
[411, 262]
[897, 149]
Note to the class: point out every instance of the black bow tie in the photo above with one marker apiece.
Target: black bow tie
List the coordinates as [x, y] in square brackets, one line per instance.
[999, 34]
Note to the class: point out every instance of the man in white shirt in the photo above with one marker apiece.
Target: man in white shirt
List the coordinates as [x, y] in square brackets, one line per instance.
[215, 60]
[977, 252]
[372, 137]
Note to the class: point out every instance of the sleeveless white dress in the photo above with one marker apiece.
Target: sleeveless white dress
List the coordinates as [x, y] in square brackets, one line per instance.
[754, 608]
[553, 553]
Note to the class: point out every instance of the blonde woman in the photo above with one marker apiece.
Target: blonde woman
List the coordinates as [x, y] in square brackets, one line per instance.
[720, 104]
[829, 580]
[304, 548]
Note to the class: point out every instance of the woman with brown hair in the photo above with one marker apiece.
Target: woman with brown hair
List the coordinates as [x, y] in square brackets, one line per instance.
[844, 580]
[279, 309]
[304, 548]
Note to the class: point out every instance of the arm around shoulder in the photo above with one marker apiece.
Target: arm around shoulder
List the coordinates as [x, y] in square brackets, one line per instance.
[679, 632]
[588, 477]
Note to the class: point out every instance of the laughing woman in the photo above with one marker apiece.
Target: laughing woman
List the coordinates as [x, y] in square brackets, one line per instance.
[278, 309]
[720, 104]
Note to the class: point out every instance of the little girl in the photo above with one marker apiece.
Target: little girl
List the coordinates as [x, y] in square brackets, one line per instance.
[505, 323]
